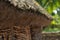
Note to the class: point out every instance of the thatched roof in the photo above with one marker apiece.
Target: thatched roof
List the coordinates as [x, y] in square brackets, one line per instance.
[30, 4]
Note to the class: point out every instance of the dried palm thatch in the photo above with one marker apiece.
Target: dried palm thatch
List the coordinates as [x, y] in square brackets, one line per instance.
[30, 4]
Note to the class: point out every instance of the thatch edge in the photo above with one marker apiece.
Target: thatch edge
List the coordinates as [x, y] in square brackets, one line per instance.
[37, 8]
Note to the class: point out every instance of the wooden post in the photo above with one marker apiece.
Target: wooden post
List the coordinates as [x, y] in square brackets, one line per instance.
[28, 33]
[5, 36]
[36, 33]
[0, 36]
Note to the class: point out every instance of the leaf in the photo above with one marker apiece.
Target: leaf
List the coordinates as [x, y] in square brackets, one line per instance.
[53, 22]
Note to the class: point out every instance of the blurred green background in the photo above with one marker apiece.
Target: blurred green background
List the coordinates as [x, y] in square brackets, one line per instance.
[53, 7]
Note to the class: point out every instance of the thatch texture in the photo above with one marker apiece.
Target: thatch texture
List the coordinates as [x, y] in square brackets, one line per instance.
[30, 4]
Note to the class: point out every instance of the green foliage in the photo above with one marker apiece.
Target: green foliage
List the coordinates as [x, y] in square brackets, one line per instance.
[49, 5]
[53, 7]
